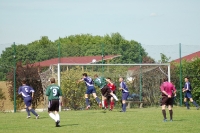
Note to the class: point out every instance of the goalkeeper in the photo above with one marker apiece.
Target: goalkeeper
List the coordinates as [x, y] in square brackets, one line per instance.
[105, 90]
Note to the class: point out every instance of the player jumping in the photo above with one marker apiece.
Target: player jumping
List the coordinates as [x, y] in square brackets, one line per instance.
[105, 90]
[90, 90]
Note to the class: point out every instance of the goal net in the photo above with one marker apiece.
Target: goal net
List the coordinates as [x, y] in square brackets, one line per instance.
[143, 81]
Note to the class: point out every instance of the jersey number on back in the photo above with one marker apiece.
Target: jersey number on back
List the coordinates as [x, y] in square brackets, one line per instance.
[26, 89]
[54, 92]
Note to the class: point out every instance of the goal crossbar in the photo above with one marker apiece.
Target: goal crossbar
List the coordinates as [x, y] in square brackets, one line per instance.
[79, 64]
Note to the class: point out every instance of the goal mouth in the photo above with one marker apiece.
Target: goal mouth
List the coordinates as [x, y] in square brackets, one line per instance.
[142, 79]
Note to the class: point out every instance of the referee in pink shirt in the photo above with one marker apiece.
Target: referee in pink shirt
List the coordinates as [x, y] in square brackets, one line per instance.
[168, 91]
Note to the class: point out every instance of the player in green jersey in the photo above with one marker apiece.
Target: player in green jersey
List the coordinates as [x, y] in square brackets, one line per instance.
[101, 82]
[54, 94]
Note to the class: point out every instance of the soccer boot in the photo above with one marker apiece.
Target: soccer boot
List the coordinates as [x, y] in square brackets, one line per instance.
[58, 124]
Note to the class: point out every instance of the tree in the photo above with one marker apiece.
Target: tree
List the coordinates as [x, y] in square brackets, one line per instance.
[30, 72]
[164, 58]
[190, 69]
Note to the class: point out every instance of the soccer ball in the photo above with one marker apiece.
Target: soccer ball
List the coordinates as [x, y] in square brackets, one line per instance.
[130, 79]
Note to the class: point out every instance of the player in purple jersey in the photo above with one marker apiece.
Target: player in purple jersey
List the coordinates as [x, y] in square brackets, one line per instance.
[168, 91]
[90, 90]
[125, 93]
[188, 95]
[27, 93]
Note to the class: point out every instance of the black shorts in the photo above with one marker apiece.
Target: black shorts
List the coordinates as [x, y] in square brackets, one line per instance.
[167, 101]
[53, 105]
[109, 96]
[105, 91]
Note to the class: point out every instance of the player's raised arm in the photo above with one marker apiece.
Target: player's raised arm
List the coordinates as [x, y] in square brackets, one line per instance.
[81, 80]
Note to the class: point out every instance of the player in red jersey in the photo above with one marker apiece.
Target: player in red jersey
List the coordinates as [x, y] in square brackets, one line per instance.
[112, 87]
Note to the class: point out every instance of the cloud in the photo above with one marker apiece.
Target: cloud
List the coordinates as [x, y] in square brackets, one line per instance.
[153, 15]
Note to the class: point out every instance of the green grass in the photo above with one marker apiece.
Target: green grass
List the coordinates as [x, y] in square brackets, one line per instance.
[146, 120]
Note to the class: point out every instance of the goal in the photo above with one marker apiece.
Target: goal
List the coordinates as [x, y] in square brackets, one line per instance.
[143, 81]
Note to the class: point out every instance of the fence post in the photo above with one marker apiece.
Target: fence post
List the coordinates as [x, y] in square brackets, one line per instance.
[180, 68]
[140, 58]
[102, 47]
[14, 73]
[59, 52]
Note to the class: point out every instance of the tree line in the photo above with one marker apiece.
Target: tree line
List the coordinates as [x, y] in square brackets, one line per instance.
[73, 45]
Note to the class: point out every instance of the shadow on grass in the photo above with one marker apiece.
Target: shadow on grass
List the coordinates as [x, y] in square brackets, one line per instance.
[68, 125]
[180, 120]
[43, 117]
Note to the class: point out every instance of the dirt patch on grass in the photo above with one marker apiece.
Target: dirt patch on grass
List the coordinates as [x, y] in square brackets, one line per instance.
[8, 105]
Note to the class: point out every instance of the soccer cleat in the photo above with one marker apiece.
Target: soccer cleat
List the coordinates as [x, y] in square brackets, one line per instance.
[37, 117]
[28, 117]
[165, 120]
[88, 107]
[58, 124]
[171, 120]
[110, 109]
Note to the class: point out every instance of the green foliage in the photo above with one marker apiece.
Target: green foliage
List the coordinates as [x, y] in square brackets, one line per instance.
[164, 58]
[73, 93]
[190, 69]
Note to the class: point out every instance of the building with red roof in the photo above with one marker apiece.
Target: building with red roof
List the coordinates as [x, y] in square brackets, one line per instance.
[75, 60]
[190, 57]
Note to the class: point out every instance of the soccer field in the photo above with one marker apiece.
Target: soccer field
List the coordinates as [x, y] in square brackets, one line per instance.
[146, 120]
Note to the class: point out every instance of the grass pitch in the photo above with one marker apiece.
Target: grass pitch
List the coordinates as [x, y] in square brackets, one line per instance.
[146, 120]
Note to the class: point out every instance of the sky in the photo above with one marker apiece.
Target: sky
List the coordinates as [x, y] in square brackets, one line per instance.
[160, 26]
